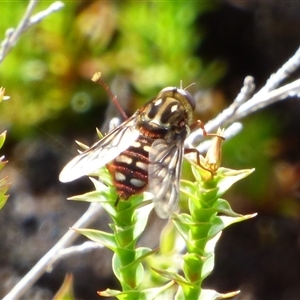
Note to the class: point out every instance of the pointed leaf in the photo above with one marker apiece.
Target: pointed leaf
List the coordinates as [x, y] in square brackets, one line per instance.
[109, 293]
[214, 295]
[181, 222]
[2, 162]
[3, 200]
[211, 244]
[228, 177]
[94, 196]
[141, 216]
[127, 295]
[224, 207]
[173, 276]
[101, 237]
[2, 138]
[142, 253]
[189, 189]
[139, 253]
[66, 290]
[208, 266]
[121, 271]
[105, 179]
[151, 293]
[231, 220]
[154, 292]
[4, 186]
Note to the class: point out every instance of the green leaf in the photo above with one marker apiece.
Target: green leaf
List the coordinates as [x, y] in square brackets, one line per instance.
[141, 253]
[109, 293]
[127, 295]
[141, 216]
[231, 220]
[4, 186]
[216, 227]
[66, 290]
[147, 294]
[107, 197]
[190, 189]
[101, 237]
[222, 206]
[153, 293]
[2, 138]
[208, 266]
[173, 276]
[181, 222]
[213, 295]
[3, 199]
[105, 178]
[210, 245]
[2, 163]
[197, 230]
[130, 275]
[94, 196]
[228, 177]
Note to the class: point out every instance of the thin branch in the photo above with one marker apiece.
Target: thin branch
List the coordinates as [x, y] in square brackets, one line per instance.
[92, 213]
[71, 251]
[284, 72]
[245, 92]
[263, 98]
[12, 35]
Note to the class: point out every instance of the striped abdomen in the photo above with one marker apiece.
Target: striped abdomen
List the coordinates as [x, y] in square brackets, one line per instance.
[130, 169]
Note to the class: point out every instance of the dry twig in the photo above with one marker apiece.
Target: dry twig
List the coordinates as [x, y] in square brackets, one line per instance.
[12, 35]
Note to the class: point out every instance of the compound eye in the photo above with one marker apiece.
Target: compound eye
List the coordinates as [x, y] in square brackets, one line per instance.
[182, 95]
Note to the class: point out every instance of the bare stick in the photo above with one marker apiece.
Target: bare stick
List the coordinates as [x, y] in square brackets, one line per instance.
[284, 72]
[268, 95]
[73, 250]
[12, 35]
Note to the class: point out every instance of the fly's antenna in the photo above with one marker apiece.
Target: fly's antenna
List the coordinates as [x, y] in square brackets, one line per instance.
[187, 87]
[181, 85]
[97, 78]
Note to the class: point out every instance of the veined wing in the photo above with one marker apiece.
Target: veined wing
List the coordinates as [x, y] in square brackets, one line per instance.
[165, 162]
[102, 152]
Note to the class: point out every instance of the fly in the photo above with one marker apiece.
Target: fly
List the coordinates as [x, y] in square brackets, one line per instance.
[145, 152]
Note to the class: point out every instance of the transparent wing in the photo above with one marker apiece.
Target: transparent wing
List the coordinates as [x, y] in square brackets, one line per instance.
[165, 162]
[102, 152]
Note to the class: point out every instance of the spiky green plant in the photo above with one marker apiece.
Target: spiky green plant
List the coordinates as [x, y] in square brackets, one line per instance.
[208, 214]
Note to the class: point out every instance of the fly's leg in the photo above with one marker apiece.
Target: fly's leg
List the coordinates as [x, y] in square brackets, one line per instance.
[193, 150]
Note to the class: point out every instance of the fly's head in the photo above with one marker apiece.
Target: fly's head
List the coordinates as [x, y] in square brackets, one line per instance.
[171, 109]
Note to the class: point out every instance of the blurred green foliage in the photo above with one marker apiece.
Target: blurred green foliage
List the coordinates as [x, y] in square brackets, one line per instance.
[47, 74]
[254, 146]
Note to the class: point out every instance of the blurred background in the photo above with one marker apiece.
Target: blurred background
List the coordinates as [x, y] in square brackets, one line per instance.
[140, 48]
